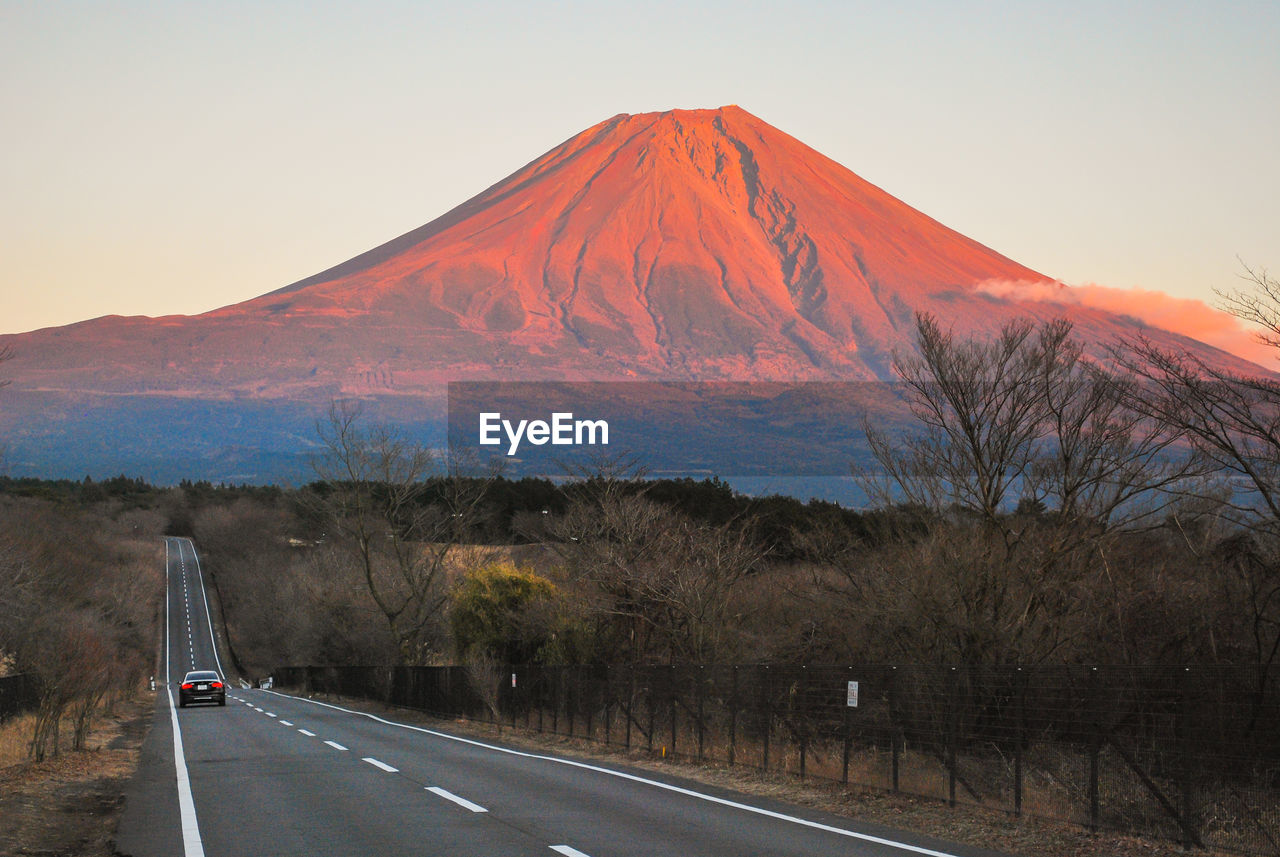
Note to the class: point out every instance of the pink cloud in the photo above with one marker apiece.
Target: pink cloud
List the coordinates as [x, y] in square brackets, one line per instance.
[1187, 316]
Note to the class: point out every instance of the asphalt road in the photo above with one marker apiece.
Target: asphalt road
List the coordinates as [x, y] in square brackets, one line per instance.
[272, 774]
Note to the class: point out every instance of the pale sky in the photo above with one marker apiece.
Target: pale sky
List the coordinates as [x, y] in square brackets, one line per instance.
[174, 157]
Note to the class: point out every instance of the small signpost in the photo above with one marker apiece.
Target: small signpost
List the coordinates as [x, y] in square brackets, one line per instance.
[852, 699]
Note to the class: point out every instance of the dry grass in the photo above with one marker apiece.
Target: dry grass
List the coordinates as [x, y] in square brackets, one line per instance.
[71, 804]
[15, 739]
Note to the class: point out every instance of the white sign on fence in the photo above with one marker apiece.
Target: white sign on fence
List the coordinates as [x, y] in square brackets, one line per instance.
[852, 699]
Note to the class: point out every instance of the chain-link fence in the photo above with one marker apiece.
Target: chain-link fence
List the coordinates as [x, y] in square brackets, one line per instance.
[1186, 754]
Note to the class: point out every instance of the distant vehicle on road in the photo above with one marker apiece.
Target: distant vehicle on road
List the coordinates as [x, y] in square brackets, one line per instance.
[202, 686]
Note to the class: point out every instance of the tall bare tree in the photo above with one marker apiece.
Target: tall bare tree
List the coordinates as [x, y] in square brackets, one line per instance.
[1025, 459]
[377, 494]
[1257, 304]
[662, 583]
[1234, 421]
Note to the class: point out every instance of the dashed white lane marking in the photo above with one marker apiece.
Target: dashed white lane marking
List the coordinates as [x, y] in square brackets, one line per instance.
[308, 734]
[257, 709]
[460, 801]
[383, 765]
[285, 723]
[268, 713]
[567, 851]
[335, 745]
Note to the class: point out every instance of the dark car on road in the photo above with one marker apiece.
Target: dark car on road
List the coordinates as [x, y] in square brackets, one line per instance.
[202, 686]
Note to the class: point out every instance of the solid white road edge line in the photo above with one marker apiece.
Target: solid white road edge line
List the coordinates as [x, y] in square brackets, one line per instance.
[768, 813]
[335, 745]
[567, 851]
[383, 765]
[460, 801]
[191, 844]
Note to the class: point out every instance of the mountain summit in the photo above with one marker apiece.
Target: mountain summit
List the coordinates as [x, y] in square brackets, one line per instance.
[690, 243]
[685, 245]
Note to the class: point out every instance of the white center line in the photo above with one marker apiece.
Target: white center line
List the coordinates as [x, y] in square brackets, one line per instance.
[383, 765]
[335, 745]
[567, 851]
[462, 802]
[308, 734]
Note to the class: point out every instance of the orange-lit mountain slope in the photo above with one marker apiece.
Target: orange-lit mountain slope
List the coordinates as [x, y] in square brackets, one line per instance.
[687, 244]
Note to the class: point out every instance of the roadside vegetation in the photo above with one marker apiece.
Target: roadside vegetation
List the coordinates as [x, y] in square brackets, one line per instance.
[1043, 510]
[81, 578]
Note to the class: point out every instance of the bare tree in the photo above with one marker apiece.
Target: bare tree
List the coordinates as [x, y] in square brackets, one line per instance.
[375, 494]
[1233, 420]
[1258, 305]
[979, 410]
[662, 583]
[1026, 461]
[1023, 417]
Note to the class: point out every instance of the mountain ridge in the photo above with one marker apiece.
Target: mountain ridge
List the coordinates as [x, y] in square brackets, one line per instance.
[680, 245]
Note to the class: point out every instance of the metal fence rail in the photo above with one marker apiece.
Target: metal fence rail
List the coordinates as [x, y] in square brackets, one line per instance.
[1186, 754]
[18, 693]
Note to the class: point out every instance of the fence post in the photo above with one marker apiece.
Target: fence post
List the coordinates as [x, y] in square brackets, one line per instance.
[608, 703]
[767, 711]
[1187, 808]
[1020, 688]
[671, 687]
[1095, 749]
[801, 712]
[651, 706]
[571, 696]
[953, 735]
[702, 679]
[558, 701]
[895, 728]
[844, 770]
[631, 697]
[733, 716]
[542, 695]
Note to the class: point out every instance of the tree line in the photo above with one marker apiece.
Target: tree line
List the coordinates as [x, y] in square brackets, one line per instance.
[1044, 507]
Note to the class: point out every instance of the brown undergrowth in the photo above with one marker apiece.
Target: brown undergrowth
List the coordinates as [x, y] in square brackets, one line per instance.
[69, 804]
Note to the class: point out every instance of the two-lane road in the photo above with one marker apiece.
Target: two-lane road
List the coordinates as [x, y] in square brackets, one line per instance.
[281, 775]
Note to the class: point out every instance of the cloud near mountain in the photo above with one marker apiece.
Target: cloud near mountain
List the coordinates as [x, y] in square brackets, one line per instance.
[1187, 316]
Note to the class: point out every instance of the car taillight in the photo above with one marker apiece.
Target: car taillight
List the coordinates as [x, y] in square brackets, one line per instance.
[215, 684]
[187, 686]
